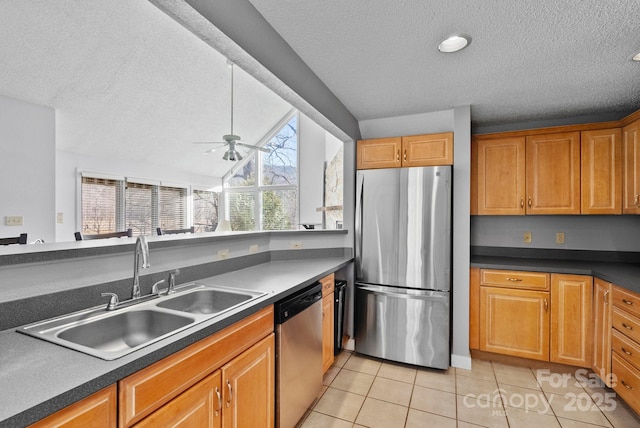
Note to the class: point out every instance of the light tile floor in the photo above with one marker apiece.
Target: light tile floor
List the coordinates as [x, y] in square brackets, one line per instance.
[366, 392]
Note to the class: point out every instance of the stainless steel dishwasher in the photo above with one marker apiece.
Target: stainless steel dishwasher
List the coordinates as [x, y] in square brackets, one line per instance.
[298, 354]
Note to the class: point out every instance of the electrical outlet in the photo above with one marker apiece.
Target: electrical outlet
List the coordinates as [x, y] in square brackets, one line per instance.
[223, 254]
[560, 238]
[296, 245]
[253, 249]
[60, 218]
[527, 237]
[15, 220]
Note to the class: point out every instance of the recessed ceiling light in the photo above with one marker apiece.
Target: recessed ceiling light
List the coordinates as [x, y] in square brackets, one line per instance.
[454, 44]
[636, 57]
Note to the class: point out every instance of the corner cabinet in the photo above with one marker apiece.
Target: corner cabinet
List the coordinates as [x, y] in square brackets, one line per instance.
[409, 151]
[224, 380]
[631, 149]
[532, 315]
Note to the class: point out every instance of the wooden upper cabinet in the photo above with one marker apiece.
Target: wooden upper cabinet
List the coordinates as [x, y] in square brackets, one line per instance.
[631, 149]
[553, 173]
[379, 153]
[427, 150]
[601, 172]
[501, 176]
[415, 150]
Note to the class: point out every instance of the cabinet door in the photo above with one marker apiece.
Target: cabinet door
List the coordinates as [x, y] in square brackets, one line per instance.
[501, 176]
[631, 150]
[97, 410]
[248, 387]
[601, 172]
[601, 364]
[427, 150]
[553, 173]
[515, 322]
[474, 308]
[379, 153]
[327, 331]
[198, 406]
[571, 306]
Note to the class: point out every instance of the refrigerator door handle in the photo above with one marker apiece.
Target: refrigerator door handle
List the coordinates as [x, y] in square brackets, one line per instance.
[419, 294]
[358, 219]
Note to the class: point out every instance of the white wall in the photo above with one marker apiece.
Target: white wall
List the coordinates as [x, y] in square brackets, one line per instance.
[311, 147]
[27, 150]
[70, 165]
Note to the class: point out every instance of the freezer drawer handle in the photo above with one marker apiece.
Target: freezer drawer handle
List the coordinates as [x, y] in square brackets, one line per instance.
[403, 296]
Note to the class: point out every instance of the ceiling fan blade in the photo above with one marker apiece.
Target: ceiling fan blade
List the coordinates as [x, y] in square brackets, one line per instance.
[210, 142]
[249, 146]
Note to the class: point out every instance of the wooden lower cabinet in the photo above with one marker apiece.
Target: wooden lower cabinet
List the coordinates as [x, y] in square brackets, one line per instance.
[601, 360]
[515, 322]
[571, 325]
[97, 410]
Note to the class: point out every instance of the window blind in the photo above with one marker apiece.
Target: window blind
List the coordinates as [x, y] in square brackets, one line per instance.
[100, 198]
[172, 207]
[139, 208]
[205, 210]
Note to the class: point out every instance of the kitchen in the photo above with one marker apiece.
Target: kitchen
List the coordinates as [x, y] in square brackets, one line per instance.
[457, 119]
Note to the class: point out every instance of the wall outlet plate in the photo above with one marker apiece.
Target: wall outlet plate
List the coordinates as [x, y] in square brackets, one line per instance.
[296, 245]
[527, 237]
[13, 220]
[223, 254]
[253, 249]
[560, 238]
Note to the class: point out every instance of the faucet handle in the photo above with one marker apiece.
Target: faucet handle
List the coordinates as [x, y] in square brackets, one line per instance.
[154, 287]
[113, 302]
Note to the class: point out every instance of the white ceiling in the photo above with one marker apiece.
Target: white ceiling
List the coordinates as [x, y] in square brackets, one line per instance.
[128, 82]
[528, 60]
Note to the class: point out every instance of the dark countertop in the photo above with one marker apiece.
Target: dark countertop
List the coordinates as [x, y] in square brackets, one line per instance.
[38, 378]
[624, 274]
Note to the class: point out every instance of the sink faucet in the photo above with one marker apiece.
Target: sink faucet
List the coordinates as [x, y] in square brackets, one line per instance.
[142, 249]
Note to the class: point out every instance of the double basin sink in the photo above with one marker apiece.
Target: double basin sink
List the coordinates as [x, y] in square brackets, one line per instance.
[113, 334]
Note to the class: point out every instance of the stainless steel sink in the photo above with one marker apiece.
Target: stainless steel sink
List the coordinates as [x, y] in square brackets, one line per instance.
[125, 330]
[205, 301]
[113, 334]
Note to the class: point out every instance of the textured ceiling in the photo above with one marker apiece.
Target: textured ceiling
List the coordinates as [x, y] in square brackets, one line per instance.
[528, 60]
[128, 82]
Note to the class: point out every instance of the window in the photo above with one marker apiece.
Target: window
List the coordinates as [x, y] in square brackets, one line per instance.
[268, 201]
[111, 205]
[205, 210]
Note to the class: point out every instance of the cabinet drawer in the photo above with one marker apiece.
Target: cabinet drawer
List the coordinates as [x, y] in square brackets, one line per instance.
[328, 283]
[626, 300]
[626, 348]
[626, 324]
[626, 382]
[515, 279]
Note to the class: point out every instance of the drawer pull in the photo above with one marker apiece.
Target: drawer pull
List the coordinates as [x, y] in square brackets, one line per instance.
[627, 302]
[514, 279]
[629, 387]
[627, 352]
[628, 327]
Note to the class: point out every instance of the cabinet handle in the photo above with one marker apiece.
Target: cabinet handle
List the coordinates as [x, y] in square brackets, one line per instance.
[605, 297]
[405, 155]
[521, 202]
[628, 327]
[230, 397]
[627, 302]
[219, 401]
[635, 200]
[546, 305]
[629, 387]
[398, 156]
[627, 352]
[529, 202]
[514, 279]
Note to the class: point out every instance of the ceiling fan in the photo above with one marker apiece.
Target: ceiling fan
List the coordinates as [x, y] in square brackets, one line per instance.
[231, 140]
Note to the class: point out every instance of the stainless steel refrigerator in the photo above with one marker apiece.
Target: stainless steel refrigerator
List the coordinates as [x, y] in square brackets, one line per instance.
[403, 264]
